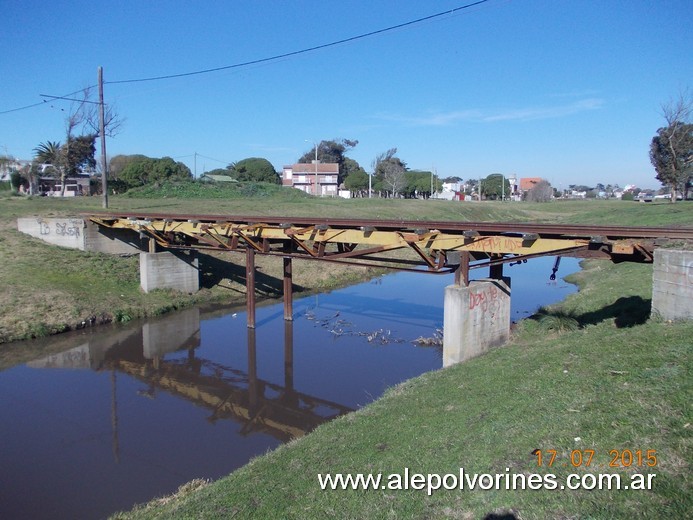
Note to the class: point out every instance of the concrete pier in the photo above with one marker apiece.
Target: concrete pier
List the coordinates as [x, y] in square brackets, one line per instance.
[475, 318]
[672, 284]
[169, 271]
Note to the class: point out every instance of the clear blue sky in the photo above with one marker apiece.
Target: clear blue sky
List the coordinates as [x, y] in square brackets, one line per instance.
[566, 90]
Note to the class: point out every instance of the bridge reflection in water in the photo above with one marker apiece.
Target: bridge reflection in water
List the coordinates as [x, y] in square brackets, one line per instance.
[152, 355]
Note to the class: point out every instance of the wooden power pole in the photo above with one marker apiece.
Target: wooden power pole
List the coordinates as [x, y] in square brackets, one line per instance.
[102, 134]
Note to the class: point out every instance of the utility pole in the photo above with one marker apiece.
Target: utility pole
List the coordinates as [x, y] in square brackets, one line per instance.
[316, 169]
[102, 133]
[316, 164]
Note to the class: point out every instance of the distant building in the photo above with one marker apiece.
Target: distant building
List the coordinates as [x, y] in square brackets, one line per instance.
[74, 186]
[206, 177]
[303, 177]
[452, 186]
[10, 165]
[527, 183]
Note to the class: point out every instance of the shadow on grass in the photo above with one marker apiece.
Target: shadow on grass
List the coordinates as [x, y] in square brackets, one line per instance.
[214, 270]
[626, 312]
[500, 516]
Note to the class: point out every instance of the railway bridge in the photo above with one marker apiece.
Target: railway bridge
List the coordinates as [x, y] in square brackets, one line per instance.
[477, 314]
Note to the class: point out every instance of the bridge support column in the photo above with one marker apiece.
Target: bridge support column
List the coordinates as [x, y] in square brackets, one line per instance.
[167, 270]
[288, 289]
[250, 285]
[475, 318]
[672, 284]
[496, 271]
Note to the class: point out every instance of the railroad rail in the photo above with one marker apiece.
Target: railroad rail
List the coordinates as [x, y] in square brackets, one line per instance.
[439, 246]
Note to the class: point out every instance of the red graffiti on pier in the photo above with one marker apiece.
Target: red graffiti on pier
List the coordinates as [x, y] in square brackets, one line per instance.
[486, 300]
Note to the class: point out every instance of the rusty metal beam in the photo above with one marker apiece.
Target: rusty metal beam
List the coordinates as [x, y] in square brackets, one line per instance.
[340, 239]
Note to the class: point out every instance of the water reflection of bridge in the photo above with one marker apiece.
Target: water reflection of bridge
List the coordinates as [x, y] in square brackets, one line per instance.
[147, 354]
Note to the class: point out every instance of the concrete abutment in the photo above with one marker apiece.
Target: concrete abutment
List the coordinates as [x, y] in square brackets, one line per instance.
[166, 270]
[672, 284]
[475, 318]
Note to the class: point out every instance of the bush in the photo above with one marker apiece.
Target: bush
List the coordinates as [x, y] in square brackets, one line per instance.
[627, 196]
[15, 180]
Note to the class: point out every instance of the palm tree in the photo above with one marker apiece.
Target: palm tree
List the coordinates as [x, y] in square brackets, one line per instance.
[51, 152]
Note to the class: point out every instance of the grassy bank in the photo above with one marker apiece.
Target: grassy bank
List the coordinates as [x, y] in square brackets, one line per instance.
[613, 381]
[49, 289]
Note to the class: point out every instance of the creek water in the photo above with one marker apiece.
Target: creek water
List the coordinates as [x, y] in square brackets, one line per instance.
[119, 415]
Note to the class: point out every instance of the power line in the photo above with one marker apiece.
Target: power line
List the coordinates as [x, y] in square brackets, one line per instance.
[276, 56]
[70, 99]
[43, 102]
[303, 51]
[213, 159]
[22, 108]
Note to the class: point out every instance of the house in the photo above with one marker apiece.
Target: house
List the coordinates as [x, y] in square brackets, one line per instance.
[303, 177]
[74, 186]
[206, 177]
[527, 183]
[10, 164]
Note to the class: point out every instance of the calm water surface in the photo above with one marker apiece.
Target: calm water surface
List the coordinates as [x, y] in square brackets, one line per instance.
[129, 413]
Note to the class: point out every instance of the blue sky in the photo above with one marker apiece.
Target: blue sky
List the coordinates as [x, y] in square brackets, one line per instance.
[566, 90]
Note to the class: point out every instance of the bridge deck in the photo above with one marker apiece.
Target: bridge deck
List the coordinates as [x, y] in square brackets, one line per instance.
[437, 244]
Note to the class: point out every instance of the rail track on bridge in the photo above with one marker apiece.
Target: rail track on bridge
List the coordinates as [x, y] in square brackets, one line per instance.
[439, 246]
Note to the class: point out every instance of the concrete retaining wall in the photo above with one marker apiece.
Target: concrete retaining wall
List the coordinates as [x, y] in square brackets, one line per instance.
[672, 284]
[475, 318]
[64, 232]
[76, 233]
[167, 270]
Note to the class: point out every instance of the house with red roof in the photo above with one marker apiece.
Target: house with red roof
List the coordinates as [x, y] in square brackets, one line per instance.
[320, 179]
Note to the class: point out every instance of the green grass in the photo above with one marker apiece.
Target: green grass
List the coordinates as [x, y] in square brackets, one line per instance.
[607, 386]
[201, 190]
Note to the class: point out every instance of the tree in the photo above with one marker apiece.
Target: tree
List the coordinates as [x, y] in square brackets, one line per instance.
[389, 171]
[254, 169]
[350, 167]
[495, 186]
[67, 159]
[147, 171]
[49, 153]
[118, 163]
[540, 192]
[331, 152]
[80, 154]
[393, 177]
[418, 184]
[15, 180]
[357, 182]
[671, 150]
[78, 151]
[31, 172]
